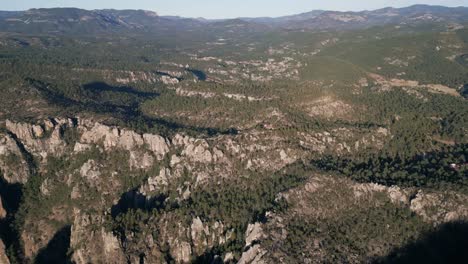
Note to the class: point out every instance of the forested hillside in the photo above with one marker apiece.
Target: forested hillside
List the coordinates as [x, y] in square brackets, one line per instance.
[326, 137]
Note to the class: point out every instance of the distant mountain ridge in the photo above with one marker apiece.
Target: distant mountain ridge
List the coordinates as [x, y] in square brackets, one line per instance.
[80, 21]
[320, 19]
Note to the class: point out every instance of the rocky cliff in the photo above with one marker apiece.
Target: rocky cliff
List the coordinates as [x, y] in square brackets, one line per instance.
[123, 196]
[93, 157]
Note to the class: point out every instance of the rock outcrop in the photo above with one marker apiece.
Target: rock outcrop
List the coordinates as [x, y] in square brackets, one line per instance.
[178, 239]
[196, 150]
[3, 257]
[432, 206]
[440, 207]
[140, 160]
[253, 234]
[112, 137]
[205, 236]
[91, 245]
[15, 169]
[141, 148]
[396, 194]
[157, 144]
[157, 182]
[253, 255]
[3, 212]
[166, 173]
[42, 140]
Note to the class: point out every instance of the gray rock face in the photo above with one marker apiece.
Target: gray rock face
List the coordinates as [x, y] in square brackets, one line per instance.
[254, 253]
[198, 232]
[435, 207]
[14, 167]
[3, 257]
[396, 194]
[254, 233]
[140, 160]
[95, 246]
[188, 241]
[253, 256]
[157, 144]
[112, 137]
[196, 150]
[136, 144]
[206, 236]
[177, 237]
[228, 257]
[34, 140]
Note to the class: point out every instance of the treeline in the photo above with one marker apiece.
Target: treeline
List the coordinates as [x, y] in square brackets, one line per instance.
[434, 169]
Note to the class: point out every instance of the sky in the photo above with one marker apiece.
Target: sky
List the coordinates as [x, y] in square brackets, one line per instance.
[224, 8]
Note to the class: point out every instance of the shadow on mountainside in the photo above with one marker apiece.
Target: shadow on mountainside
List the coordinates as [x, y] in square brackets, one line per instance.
[56, 251]
[135, 200]
[99, 87]
[201, 76]
[124, 106]
[447, 244]
[11, 198]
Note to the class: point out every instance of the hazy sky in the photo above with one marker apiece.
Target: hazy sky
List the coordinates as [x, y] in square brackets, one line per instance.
[224, 8]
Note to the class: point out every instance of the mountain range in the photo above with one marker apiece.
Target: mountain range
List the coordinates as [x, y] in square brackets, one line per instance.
[323, 137]
[74, 20]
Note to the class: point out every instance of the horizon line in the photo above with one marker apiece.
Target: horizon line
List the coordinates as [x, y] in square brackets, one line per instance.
[224, 18]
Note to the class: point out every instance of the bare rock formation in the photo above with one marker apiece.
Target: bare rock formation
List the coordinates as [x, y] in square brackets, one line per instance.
[93, 246]
[440, 207]
[40, 141]
[254, 233]
[12, 164]
[3, 257]
[253, 255]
